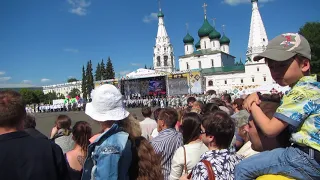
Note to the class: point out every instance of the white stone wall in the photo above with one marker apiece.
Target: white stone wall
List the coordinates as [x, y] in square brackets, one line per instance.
[260, 73]
[206, 61]
[215, 44]
[188, 49]
[225, 48]
[205, 43]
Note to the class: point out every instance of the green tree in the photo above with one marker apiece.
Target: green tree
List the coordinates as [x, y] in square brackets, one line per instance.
[311, 31]
[89, 78]
[50, 97]
[109, 69]
[28, 96]
[84, 84]
[74, 92]
[103, 70]
[72, 80]
[98, 73]
[60, 96]
[145, 66]
[39, 96]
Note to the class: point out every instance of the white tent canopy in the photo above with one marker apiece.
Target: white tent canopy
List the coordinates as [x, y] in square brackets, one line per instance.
[144, 73]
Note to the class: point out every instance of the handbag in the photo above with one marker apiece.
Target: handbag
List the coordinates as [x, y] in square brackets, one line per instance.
[211, 175]
[185, 161]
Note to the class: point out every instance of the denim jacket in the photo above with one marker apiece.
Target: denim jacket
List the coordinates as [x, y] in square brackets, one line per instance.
[109, 156]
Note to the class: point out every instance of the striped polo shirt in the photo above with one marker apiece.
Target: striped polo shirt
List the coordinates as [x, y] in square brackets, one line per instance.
[166, 144]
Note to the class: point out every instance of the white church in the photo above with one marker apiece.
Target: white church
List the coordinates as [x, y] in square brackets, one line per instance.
[211, 56]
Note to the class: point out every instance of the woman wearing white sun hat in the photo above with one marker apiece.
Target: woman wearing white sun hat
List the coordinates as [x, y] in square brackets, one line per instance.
[109, 156]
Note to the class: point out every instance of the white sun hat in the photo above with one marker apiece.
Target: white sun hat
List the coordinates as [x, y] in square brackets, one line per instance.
[106, 105]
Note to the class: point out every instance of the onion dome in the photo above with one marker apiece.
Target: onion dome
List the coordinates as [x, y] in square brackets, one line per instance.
[205, 29]
[198, 45]
[160, 14]
[188, 39]
[214, 34]
[225, 40]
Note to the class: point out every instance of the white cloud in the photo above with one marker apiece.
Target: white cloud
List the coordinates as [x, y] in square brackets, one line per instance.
[236, 2]
[122, 73]
[71, 50]
[149, 18]
[26, 82]
[45, 80]
[4, 79]
[135, 64]
[2, 72]
[79, 7]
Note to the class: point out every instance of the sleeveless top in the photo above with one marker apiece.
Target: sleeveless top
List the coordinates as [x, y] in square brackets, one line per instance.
[73, 174]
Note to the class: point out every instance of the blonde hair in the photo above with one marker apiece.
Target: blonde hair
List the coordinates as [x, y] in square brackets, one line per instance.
[131, 126]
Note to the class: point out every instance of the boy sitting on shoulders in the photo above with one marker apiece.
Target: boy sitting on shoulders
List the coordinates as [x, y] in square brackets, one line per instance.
[288, 57]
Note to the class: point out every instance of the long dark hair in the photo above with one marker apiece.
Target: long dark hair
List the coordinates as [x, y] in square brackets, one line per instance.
[191, 127]
[82, 132]
[146, 164]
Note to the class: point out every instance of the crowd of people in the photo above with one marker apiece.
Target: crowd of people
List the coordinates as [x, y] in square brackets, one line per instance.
[261, 136]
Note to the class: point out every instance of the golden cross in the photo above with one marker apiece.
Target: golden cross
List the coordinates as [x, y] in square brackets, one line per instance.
[159, 3]
[187, 27]
[205, 8]
[214, 21]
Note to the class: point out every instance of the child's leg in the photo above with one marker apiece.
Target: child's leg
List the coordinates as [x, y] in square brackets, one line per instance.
[290, 162]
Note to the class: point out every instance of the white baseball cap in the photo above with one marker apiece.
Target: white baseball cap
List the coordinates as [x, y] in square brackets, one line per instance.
[106, 105]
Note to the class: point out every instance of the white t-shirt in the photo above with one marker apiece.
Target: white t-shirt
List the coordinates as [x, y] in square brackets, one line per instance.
[155, 133]
[193, 153]
[147, 127]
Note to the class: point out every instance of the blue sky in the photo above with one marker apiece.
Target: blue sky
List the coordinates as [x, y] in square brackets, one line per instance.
[44, 42]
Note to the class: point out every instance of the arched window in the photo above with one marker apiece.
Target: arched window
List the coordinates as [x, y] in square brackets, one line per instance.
[158, 61]
[258, 69]
[187, 65]
[165, 60]
[210, 83]
[172, 60]
[212, 63]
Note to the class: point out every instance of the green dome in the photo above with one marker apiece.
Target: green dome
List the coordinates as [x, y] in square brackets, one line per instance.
[188, 39]
[160, 14]
[224, 40]
[197, 45]
[254, 1]
[205, 29]
[214, 34]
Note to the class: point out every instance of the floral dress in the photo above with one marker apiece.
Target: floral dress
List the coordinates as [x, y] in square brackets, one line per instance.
[223, 163]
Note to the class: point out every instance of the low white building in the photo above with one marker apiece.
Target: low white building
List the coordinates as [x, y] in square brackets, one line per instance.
[63, 88]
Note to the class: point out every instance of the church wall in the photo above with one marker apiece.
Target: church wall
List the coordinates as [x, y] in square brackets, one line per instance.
[205, 43]
[206, 62]
[227, 60]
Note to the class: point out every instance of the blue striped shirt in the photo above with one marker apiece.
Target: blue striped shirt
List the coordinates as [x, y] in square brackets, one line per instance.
[166, 144]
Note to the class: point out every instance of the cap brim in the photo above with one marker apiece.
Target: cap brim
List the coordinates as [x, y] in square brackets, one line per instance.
[116, 114]
[275, 54]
